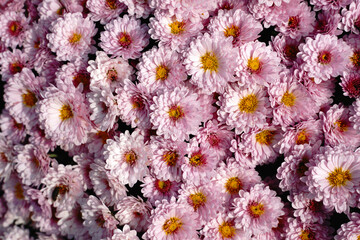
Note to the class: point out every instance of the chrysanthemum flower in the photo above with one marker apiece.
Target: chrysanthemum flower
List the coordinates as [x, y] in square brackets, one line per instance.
[230, 5]
[17, 232]
[12, 28]
[71, 37]
[104, 10]
[300, 230]
[22, 93]
[126, 157]
[351, 229]
[108, 73]
[35, 40]
[98, 219]
[166, 158]
[324, 57]
[172, 220]
[124, 37]
[12, 62]
[245, 107]
[239, 25]
[355, 118]
[350, 83]
[137, 8]
[6, 158]
[354, 42]
[291, 102]
[258, 210]
[337, 127]
[47, 65]
[13, 131]
[335, 178]
[268, 14]
[38, 138]
[327, 22]
[125, 234]
[161, 68]
[51, 10]
[257, 63]
[242, 158]
[64, 116]
[177, 113]
[134, 212]
[222, 226]
[210, 62]
[270, 3]
[326, 5]
[351, 17]
[174, 33]
[286, 48]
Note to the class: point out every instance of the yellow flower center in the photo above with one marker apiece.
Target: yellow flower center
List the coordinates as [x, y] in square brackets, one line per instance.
[124, 39]
[177, 27]
[19, 192]
[29, 99]
[358, 237]
[302, 138]
[15, 67]
[355, 59]
[233, 185]
[66, 112]
[227, 230]
[248, 104]
[256, 210]
[130, 157]
[75, 38]
[15, 28]
[233, 31]
[111, 4]
[172, 225]
[163, 186]
[162, 72]
[197, 200]
[209, 62]
[288, 99]
[175, 113]
[196, 160]
[170, 157]
[293, 22]
[254, 65]
[324, 57]
[339, 177]
[342, 125]
[265, 137]
[307, 235]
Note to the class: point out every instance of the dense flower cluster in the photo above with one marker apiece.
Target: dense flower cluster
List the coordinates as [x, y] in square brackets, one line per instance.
[190, 119]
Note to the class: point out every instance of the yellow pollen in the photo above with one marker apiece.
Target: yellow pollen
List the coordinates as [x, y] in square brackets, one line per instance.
[307, 235]
[358, 237]
[177, 27]
[355, 59]
[265, 137]
[124, 39]
[227, 230]
[233, 185]
[162, 72]
[172, 225]
[288, 99]
[324, 57]
[75, 38]
[197, 200]
[66, 112]
[29, 99]
[302, 138]
[130, 157]
[256, 210]
[342, 125]
[175, 113]
[196, 160]
[232, 31]
[209, 62]
[19, 192]
[248, 104]
[170, 157]
[254, 65]
[111, 4]
[339, 177]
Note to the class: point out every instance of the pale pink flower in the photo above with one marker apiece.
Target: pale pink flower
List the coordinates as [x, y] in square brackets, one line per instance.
[12, 62]
[6, 158]
[13, 26]
[104, 10]
[286, 48]
[327, 23]
[326, 5]
[354, 42]
[350, 83]
[351, 229]
[17, 233]
[355, 118]
[270, 3]
[125, 234]
[35, 40]
[13, 131]
[351, 17]
[298, 230]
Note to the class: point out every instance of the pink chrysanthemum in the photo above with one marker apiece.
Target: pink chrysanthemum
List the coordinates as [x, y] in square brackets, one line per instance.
[47, 65]
[6, 158]
[239, 25]
[166, 158]
[174, 33]
[300, 230]
[291, 102]
[64, 116]
[286, 48]
[258, 210]
[125, 37]
[306, 132]
[12, 28]
[126, 157]
[270, 3]
[125, 234]
[38, 138]
[257, 63]
[12, 63]
[210, 62]
[51, 10]
[98, 219]
[104, 10]
[230, 5]
[327, 5]
[350, 83]
[10, 129]
[157, 189]
[17, 233]
[222, 226]
[108, 73]
[35, 40]
[351, 229]
[354, 42]
[231, 178]
[327, 23]
[245, 107]
[261, 11]
[172, 220]
[161, 68]
[324, 57]
[355, 118]
[177, 113]
[335, 178]
[351, 18]
[261, 144]
[337, 127]
[71, 37]
[22, 93]
[134, 212]
[84, 160]
[137, 8]
[242, 158]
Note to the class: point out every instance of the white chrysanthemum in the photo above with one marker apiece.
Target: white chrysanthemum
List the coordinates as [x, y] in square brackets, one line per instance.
[125, 234]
